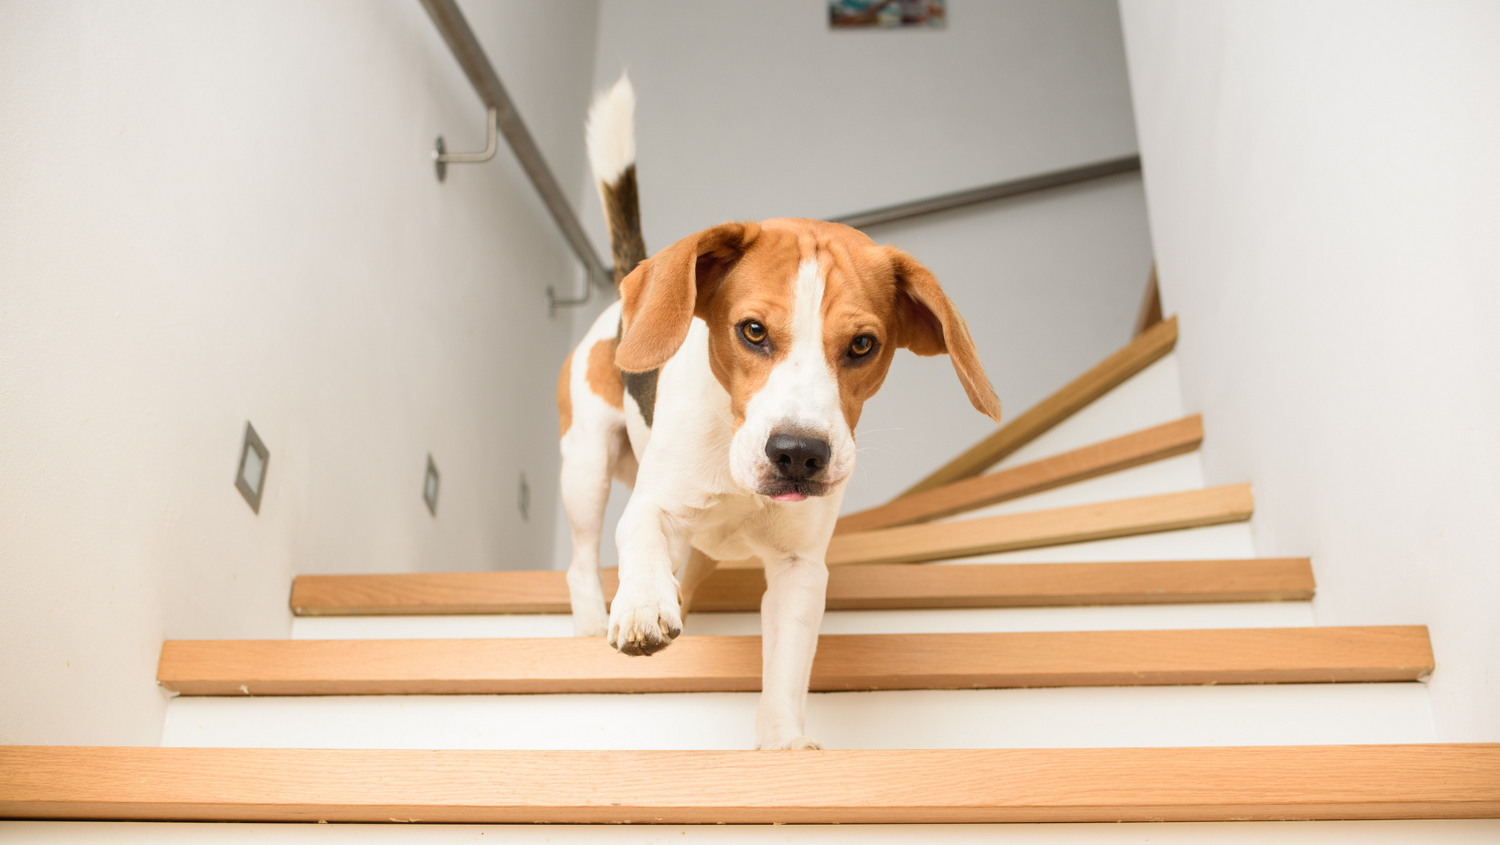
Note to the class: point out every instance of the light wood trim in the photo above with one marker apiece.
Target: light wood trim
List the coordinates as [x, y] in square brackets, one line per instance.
[1141, 447]
[882, 586]
[1034, 529]
[898, 585]
[844, 662]
[1104, 377]
[753, 787]
[424, 593]
[1150, 312]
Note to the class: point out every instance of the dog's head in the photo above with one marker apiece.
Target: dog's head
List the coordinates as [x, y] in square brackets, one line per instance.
[803, 319]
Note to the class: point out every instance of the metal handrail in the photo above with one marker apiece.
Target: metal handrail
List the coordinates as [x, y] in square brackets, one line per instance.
[1002, 190]
[460, 37]
[470, 55]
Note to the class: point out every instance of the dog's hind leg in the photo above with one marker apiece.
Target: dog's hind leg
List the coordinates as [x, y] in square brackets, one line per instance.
[594, 448]
[585, 493]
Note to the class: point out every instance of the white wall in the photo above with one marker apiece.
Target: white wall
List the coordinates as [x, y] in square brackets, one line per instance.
[755, 110]
[215, 212]
[1324, 188]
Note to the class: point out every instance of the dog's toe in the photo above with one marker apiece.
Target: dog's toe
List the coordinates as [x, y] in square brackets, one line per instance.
[644, 620]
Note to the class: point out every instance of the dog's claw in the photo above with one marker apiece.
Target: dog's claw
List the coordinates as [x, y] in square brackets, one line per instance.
[645, 646]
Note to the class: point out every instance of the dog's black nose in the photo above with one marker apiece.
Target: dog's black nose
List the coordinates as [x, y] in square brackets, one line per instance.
[797, 457]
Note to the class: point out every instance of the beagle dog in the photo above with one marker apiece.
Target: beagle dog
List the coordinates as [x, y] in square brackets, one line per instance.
[724, 387]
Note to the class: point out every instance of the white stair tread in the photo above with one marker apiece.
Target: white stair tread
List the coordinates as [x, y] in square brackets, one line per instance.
[1448, 832]
[1151, 397]
[926, 621]
[1169, 475]
[1118, 717]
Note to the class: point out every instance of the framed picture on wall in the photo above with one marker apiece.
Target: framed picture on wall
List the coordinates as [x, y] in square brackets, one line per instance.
[887, 14]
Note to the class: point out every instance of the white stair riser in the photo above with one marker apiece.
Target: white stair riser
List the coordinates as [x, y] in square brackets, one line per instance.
[1149, 398]
[1169, 475]
[934, 621]
[1123, 717]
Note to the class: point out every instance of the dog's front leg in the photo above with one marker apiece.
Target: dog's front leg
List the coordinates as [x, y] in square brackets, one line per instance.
[645, 617]
[790, 614]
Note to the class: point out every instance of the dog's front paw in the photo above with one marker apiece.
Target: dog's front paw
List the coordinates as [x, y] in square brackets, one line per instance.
[796, 743]
[645, 617]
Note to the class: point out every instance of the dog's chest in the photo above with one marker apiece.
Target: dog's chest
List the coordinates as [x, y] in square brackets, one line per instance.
[727, 527]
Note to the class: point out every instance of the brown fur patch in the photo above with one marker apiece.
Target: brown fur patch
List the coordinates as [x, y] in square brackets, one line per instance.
[622, 208]
[603, 376]
[761, 288]
[931, 325]
[660, 297]
[565, 396]
[867, 290]
[734, 273]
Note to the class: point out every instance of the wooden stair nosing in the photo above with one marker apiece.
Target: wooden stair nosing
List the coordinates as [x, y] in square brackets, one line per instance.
[1121, 453]
[898, 585]
[1146, 349]
[753, 787]
[1035, 529]
[843, 662]
[853, 587]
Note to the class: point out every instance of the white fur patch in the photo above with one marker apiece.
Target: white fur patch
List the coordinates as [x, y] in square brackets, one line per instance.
[611, 131]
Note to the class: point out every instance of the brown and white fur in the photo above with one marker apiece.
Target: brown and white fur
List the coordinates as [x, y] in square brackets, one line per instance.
[725, 386]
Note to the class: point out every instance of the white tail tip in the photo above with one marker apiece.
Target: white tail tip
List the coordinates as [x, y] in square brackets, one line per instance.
[611, 131]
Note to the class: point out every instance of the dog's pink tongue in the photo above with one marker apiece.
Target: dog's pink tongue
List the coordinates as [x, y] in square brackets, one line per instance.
[788, 497]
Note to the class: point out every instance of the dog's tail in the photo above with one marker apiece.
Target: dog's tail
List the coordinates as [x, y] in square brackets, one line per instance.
[611, 138]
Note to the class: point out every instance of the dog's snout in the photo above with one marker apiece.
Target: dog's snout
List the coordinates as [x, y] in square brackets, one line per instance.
[796, 456]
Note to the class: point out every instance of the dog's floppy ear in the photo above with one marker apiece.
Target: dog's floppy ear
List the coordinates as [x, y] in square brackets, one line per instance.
[661, 295]
[930, 325]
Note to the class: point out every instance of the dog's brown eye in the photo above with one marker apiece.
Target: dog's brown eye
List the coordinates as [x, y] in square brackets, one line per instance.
[861, 346]
[754, 332]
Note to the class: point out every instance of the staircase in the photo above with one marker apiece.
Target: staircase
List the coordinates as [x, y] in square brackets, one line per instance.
[1065, 620]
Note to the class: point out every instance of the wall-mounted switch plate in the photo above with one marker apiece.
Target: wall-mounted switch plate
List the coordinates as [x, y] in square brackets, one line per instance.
[430, 486]
[250, 479]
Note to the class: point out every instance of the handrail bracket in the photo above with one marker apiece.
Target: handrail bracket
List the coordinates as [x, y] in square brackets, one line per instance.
[441, 158]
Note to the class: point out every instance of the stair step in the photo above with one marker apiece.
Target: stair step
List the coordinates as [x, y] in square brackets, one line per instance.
[1064, 717]
[1146, 348]
[847, 662]
[1225, 541]
[1153, 444]
[953, 620]
[1056, 526]
[1389, 832]
[688, 787]
[1169, 475]
[853, 587]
